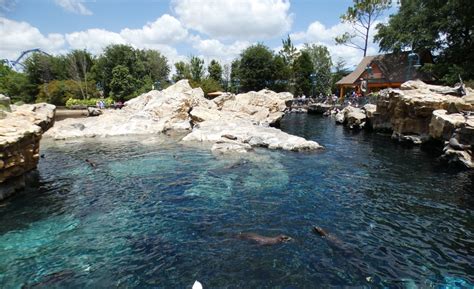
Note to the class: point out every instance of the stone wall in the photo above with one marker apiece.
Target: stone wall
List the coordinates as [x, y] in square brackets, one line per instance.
[21, 128]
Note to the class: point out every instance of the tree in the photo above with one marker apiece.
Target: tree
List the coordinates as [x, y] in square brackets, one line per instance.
[303, 68]
[79, 65]
[226, 75]
[322, 63]
[196, 68]
[215, 71]
[340, 71]
[183, 71]
[289, 53]
[115, 55]
[235, 75]
[440, 28]
[156, 65]
[361, 16]
[58, 92]
[256, 67]
[122, 84]
[282, 76]
[15, 85]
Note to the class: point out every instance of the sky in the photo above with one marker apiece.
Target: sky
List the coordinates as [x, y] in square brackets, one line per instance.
[210, 29]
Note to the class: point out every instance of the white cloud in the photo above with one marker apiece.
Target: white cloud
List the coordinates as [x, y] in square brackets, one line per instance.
[94, 40]
[215, 49]
[319, 34]
[165, 29]
[236, 19]
[74, 6]
[18, 36]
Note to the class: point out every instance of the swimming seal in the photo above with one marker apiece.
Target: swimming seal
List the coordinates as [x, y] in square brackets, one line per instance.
[264, 240]
[91, 163]
[328, 236]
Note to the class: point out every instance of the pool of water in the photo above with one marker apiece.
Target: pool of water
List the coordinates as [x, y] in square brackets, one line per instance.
[154, 213]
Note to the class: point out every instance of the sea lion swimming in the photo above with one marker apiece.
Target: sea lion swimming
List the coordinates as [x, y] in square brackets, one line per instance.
[264, 240]
[330, 237]
[92, 164]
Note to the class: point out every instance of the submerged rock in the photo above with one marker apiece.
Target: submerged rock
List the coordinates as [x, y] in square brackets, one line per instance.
[20, 134]
[246, 116]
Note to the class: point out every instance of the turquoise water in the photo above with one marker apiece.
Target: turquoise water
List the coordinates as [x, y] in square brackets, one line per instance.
[157, 214]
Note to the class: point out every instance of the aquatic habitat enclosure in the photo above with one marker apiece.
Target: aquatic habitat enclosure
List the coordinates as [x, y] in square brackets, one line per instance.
[154, 213]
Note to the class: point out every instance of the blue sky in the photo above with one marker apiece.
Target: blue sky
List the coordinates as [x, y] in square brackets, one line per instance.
[210, 29]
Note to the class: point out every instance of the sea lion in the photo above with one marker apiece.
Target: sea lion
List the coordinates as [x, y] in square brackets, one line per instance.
[264, 240]
[454, 143]
[92, 164]
[330, 237]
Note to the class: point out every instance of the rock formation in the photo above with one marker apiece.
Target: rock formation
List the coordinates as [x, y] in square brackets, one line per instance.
[246, 118]
[21, 128]
[419, 112]
[352, 117]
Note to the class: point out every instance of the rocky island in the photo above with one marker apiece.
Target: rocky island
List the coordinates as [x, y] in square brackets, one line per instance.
[229, 122]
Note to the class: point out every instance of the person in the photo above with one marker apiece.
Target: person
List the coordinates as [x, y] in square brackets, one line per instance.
[101, 104]
[334, 98]
[118, 105]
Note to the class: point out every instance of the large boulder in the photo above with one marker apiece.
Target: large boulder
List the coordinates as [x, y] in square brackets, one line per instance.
[237, 134]
[20, 134]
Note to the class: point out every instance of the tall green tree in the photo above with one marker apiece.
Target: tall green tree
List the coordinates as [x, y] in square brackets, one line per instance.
[196, 68]
[322, 63]
[215, 71]
[235, 75]
[256, 67]
[123, 55]
[303, 68]
[183, 71]
[445, 29]
[289, 53]
[361, 15]
[340, 70]
[15, 85]
[283, 75]
[122, 84]
[156, 65]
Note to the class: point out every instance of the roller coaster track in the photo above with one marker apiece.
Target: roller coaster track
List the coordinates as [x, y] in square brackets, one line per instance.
[14, 64]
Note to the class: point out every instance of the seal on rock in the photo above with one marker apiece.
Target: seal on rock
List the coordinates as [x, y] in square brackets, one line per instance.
[264, 240]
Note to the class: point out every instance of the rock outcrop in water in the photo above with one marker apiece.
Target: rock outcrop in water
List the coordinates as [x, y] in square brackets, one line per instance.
[229, 122]
[21, 128]
[418, 113]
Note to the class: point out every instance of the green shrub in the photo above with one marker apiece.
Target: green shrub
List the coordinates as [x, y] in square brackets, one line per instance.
[88, 102]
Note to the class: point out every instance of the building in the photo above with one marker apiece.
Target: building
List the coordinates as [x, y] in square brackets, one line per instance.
[386, 70]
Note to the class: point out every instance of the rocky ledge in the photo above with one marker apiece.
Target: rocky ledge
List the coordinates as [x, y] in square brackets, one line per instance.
[21, 128]
[229, 123]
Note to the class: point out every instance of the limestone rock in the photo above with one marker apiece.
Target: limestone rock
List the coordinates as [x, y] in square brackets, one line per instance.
[442, 125]
[93, 111]
[246, 132]
[20, 133]
[355, 117]
[5, 103]
[244, 119]
[409, 111]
